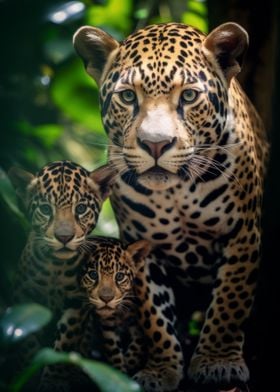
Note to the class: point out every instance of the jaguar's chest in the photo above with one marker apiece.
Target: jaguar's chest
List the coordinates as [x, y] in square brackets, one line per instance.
[47, 279]
[184, 223]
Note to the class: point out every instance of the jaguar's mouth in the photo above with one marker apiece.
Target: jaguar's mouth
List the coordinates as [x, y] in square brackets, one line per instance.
[157, 178]
[64, 253]
[105, 311]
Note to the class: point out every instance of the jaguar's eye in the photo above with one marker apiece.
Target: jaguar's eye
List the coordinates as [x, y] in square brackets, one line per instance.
[45, 209]
[189, 95]
[128, 96]
[81, 208]
[93, 275]
[119, 276]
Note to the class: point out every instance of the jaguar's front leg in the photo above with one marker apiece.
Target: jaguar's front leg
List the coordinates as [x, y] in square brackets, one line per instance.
[164, 368]
[112, 345]
[218, 357]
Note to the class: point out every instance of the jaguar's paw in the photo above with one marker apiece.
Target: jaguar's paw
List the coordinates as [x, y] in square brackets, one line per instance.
[158, 380]
[221, 372]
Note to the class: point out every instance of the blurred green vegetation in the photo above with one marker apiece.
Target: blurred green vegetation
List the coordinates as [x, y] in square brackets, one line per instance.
[49, 106]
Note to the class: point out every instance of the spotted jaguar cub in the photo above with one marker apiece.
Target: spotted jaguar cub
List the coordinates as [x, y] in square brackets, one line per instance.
[108, 278]
[107, 286]
[193, 153]
[112, 279]
[63, 201]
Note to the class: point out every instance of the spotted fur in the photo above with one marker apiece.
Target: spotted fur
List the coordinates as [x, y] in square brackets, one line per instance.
[108, 279]
[62, 201]
[191, 151]
[112, 278]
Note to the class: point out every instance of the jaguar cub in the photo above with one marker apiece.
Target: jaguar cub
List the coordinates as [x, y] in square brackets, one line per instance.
[108, 278]
[105, 281]
[63, 201]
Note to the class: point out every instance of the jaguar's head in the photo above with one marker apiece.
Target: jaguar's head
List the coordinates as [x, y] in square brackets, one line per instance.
[164, 97]
[63, 201]
[109, 271]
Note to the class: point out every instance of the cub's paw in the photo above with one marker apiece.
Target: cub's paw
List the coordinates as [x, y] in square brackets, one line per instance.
[158, 380]
[222, 372]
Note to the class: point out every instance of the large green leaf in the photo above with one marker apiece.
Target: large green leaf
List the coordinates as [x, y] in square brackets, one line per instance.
[21, 320]
[107, 378]
[196, 15]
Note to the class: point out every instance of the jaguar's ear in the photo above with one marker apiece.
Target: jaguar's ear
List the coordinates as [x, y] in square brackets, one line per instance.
[227, 44]
[102, 179]
[96, 48]
[22, 181]
[138, 251]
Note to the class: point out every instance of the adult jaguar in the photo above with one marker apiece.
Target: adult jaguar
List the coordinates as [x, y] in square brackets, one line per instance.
[191, 151]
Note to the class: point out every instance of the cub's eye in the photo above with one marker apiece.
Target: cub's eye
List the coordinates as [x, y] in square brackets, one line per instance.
[81, 208]
[128, 96]
[46, 209]
[189, 95]
[93, 275]
[119, 276]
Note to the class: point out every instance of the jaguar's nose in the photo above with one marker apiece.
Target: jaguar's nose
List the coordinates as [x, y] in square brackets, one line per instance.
[156, 149]
[64, 239]
[106, 295]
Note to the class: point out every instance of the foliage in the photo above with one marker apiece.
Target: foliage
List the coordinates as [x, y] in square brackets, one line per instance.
[21, 320]
[49, 106]
[106, 378]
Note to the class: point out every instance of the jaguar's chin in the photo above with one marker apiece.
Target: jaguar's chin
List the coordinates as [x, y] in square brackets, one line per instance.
[64, 253]
[158, 179]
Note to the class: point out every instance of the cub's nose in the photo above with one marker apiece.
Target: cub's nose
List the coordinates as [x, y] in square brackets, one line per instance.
[156, 149]
[64, 238]
[106, 297]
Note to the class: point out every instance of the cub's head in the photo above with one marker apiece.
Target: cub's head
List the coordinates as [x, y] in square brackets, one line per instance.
[109, 271]
[63, 201]
[164, 97]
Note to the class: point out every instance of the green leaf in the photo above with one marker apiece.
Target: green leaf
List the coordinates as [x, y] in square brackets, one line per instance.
[8, 195]
[21, 320]
[196, 15]
[105, 15]
[107, 378]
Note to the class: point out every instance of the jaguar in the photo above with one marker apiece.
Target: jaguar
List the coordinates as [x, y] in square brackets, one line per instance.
[106, 280]
[62, 202]
[191, 153]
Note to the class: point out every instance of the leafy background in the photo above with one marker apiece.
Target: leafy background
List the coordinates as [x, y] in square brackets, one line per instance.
[49, 109]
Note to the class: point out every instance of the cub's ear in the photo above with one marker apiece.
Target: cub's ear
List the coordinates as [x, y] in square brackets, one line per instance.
[22, 181]
[138, 251]
[102, 179]
[227, 44]
[95, 47]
